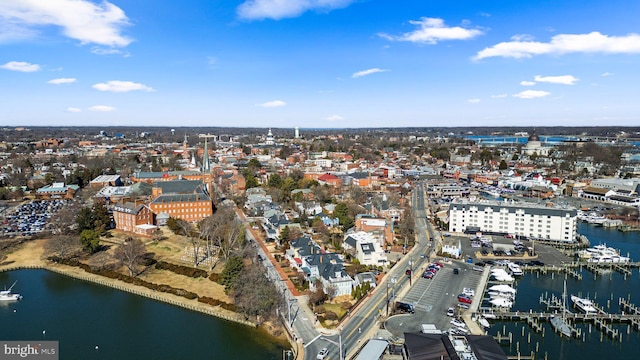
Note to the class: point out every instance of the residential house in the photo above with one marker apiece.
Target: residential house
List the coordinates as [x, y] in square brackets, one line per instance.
[366, 248]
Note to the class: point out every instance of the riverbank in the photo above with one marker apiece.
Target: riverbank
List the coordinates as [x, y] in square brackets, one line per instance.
[30, 255]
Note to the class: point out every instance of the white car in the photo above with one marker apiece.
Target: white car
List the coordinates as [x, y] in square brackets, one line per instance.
[458, 323]
[451, 312]
[322, 354]
[469, 292]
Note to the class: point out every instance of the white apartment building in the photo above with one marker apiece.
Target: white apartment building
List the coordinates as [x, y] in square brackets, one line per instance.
[534, 221]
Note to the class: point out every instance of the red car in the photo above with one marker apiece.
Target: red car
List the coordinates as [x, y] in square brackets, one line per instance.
[464, 299]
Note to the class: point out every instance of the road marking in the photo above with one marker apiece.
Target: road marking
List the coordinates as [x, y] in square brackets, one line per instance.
[311, 342]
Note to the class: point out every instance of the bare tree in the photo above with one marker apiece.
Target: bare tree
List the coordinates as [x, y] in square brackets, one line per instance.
[65, 218]
[63, 246]
[130, 254]
[225, 231]
[193, 237]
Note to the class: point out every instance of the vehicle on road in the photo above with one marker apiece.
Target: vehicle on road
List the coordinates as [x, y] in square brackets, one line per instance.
[456, 271]
[322, 354]
[451, 312]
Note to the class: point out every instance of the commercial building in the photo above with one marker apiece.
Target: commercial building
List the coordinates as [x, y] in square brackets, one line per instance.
[530, 220]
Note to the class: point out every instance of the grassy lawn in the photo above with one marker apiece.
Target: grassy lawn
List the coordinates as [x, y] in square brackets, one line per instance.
[336, 308]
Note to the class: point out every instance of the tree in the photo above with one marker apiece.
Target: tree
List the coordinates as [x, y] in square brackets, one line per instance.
[503, 165]
[130, 254]
[62, 246]
[255, 294]
[193, 237]
[84, 220]
[231, 273]
[90, 240]
[225, 231]
[275, 181]
[317, 296]
[342, 213]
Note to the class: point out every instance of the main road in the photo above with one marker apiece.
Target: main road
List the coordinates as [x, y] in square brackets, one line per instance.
[350, 335]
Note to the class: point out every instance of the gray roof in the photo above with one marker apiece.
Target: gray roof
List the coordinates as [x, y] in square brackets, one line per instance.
[128, 208]
[529, 208]
[179, 186]
[181, 198]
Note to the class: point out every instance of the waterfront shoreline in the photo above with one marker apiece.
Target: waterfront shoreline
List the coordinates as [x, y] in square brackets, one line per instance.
[28, 255]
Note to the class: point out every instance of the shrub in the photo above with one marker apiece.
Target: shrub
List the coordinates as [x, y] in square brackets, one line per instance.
[320, 309]
[181, 270]
[330, 315]
[215, 277]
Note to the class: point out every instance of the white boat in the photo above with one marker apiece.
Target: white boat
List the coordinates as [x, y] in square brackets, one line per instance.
[501, 275]
[585, 305]
[503, 288]
[483, 322]
[501, 302]
[6, 295]
[515, 269]
[559, 324]
[497, 294]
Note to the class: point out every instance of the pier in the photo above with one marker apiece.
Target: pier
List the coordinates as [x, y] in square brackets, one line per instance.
[570, 269]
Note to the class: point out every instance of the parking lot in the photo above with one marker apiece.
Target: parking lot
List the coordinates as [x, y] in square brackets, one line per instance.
[30, 218]
[432, 297]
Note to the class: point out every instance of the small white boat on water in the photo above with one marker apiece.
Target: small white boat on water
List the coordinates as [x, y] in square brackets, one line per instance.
[515, 269]
[501, 302]
[584, 305]
[483, 322]
[7, 295]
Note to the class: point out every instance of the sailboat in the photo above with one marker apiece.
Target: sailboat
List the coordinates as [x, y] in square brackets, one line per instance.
[6, 295]
[559, 324]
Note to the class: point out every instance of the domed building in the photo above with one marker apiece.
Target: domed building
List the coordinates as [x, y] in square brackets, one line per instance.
[534, 145]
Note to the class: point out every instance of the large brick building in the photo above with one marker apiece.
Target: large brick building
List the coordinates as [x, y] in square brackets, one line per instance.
[133, 217]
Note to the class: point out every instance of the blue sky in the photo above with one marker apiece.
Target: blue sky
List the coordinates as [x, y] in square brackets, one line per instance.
[319, 63]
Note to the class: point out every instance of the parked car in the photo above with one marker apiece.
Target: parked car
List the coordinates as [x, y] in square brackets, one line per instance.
[458, 323]
[405, 307]
[464, 299]
[428, 274]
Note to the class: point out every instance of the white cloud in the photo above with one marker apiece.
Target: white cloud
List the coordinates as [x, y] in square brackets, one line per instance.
[86, 21]
[473, 101]
[334, 118]
[531, 94]
[73, 110]
[121, 86]
[20, 66]
[61, 81]
[606, 74]
[527, 83]
[279, 9]
[563, 79]
[272, 104]
[367, 72]
[499, 96]
[593, 42]
[102, 108]
[109, 51]
[433, 30]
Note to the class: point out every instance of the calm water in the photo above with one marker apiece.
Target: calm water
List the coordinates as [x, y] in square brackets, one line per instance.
[81, 315]
[605, 290]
